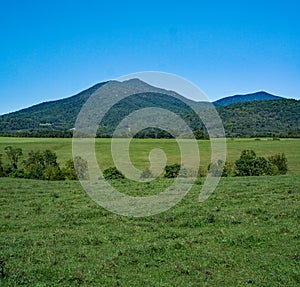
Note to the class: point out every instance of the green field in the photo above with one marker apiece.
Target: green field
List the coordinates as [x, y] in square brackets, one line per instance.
[140, 149]
[245, 234]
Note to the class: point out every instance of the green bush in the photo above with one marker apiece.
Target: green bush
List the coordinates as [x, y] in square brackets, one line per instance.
[263, 167]
[112, 173]
[53, 173]
[250, 165]
[76, 168]
[229, 169]
[280, 161]
[43, 166]
[13, 155]
[172, 171]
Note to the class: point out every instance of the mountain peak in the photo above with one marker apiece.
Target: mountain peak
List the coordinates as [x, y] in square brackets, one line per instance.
[256, 96]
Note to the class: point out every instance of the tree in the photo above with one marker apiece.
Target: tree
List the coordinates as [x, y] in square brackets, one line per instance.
[13, 155]
[42, 165]
[34, 165]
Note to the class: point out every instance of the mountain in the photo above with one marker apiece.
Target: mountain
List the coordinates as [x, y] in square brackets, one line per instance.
[279, 118]
[258, 96]
[244, 118]
[54, 115]
[60, 116]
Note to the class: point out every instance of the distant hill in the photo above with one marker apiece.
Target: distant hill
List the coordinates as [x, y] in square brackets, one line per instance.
[60, 116]
[245, 118]
[258, 96]
[270, 118]
[54, 115]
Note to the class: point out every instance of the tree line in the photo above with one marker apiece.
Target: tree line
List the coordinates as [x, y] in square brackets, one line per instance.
[41, 165]
[248, 164]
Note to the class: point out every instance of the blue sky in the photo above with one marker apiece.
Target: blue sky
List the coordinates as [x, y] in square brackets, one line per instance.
[54, 49]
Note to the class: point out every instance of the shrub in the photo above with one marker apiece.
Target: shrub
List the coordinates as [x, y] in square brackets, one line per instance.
[262, 167]
[69, 170]
[16, 173]
[13, 155]
[280, 161]
[42, 165]
[112, 173]
[172, 171]
[250, 165]
[76, 169]
[245, 163]
[53, 173]
[229, 169]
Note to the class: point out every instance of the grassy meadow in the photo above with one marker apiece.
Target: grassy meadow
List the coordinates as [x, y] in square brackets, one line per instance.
[245, 234]
[140, 149]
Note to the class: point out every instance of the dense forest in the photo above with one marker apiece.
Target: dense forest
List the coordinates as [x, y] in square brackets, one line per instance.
[279, 118]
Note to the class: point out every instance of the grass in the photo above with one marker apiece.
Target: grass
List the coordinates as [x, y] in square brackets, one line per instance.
[245, 234]
[140, 149]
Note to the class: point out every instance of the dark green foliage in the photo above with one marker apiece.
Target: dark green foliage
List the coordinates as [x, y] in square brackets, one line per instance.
[69, 170]
[112, 173]
[245, 163]
[38, 134]
[13, 155]
[42, 165]
[142, 100]
[263, 167]
[280, 161]
[277, 118]
[76, 169]
[172, 171]
[200, 135]
[229, 169]
[15, 173]
[53, 173]
[153, 133]
[250, 165]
